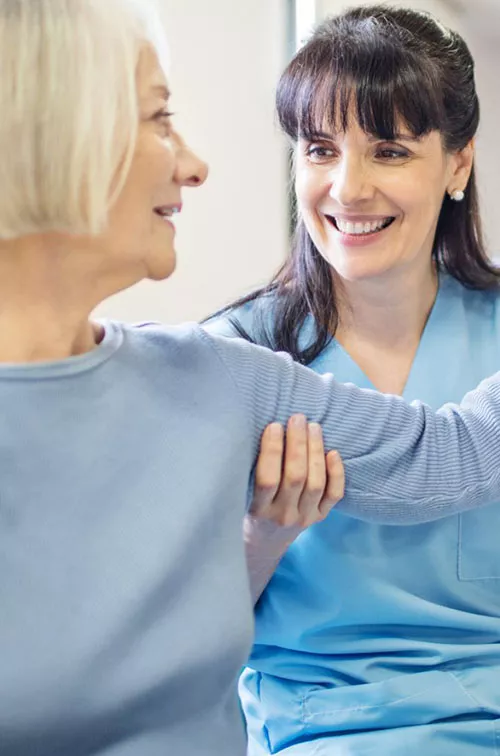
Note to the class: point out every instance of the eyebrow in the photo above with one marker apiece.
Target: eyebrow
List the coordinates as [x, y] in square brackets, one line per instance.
[401, 138]
[372, 138]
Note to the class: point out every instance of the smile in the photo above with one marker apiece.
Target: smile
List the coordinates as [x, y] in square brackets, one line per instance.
[167, 211]
[359, 227]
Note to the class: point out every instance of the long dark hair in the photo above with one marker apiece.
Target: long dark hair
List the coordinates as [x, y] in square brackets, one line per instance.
[393, 64]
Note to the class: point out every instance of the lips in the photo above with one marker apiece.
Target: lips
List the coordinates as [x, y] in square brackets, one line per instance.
[167, 211]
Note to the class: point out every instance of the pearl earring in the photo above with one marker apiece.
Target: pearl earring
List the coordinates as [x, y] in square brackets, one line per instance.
[457, 196]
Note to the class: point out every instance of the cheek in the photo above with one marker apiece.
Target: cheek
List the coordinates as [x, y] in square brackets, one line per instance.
[155, 162]
[309, 190]
[417, 192]
[165, 161]
[422, 205]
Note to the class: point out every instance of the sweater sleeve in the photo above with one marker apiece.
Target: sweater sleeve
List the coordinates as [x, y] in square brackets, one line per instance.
[404, 463]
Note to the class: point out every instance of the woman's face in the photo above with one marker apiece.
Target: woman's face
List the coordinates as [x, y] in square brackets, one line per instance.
[372, 206]
[141, 233]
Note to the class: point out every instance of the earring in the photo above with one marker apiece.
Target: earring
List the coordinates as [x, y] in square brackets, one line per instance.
[457, 195]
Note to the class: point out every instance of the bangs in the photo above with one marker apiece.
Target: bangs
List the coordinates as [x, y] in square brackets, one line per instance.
[364, 74]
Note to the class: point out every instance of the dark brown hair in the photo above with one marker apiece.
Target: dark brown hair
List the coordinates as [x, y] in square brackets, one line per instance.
[393, 65]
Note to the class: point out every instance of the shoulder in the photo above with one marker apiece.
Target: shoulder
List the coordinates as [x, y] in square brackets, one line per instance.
[193, 364]
[184, 345]
[151, 333]
[479, 303]
[191, 347]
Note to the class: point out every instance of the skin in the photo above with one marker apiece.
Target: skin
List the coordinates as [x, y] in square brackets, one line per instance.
[386, 289]
[51, 282]
[354, 175]
[296, 485]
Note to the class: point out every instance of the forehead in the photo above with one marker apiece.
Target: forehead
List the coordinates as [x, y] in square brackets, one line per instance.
[338, 103]
[151, 77]
[323, 125]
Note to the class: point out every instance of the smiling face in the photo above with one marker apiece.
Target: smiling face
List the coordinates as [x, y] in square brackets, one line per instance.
[141, 233]
[371, 206]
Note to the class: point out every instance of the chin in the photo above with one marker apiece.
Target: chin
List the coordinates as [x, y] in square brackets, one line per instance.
[358, 270]
[162, 266]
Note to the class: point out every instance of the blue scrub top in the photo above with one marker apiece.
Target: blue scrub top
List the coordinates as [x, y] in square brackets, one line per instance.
[384, 639]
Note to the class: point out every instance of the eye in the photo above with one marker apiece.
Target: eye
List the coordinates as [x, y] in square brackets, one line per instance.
[318, 154]
[164, 117]
[392, 153]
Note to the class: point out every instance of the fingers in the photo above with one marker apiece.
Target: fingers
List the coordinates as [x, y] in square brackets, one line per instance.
[296, 464]
[282, 472]
[269, 467]
[296, 485]
[302, 487]
[335, 486]
[316, 479]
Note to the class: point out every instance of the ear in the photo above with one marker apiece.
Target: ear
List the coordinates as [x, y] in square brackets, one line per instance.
[461, 167]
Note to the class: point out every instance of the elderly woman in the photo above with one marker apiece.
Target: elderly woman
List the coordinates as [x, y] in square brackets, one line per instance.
[125, 610]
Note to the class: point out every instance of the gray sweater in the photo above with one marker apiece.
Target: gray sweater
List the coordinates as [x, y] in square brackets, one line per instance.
[125, 610]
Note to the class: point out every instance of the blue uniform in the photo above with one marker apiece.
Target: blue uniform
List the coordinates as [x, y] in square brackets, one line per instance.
[382, 639]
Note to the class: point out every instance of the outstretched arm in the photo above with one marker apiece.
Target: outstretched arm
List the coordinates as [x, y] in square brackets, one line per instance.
[404, 463]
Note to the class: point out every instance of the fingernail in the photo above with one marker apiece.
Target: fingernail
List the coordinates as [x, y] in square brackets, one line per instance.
[298, 421]
[315, 430]
[275, 430]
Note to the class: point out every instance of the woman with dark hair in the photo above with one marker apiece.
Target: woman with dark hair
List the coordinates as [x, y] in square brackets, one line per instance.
[125, 615]
[373, 638]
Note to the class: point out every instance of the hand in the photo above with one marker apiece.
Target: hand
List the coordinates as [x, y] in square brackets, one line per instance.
[296, 485]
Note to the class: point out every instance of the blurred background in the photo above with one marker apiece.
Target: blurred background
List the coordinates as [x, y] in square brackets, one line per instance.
[226, 58]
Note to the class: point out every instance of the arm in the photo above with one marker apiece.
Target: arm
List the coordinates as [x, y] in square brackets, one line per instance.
[296, 486]
[404, 463]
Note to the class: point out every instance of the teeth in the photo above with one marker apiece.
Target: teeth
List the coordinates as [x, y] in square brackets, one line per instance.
[167, 212]
[356, 229]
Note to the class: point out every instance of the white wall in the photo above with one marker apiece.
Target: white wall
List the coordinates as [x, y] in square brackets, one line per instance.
[226, 57]
[479, 23]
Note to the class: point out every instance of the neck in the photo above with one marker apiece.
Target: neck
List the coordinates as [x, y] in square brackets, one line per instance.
[46, 296]
[391, 310]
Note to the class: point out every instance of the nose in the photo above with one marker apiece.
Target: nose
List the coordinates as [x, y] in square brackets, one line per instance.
[191, 170]
[350, 182]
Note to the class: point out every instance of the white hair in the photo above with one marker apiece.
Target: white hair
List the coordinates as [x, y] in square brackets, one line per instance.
[69, 109]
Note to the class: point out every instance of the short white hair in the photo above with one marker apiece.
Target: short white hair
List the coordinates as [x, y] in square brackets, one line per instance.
[69, 109]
